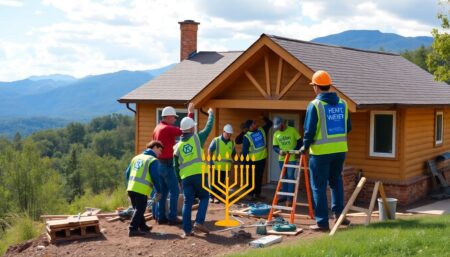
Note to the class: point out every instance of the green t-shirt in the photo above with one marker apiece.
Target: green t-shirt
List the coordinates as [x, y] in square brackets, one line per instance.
[286, 140]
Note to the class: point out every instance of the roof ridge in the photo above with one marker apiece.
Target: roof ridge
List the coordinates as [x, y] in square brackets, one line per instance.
[319, 44]
[230, 51]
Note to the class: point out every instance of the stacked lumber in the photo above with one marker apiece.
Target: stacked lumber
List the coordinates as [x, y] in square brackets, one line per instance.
[73, 228]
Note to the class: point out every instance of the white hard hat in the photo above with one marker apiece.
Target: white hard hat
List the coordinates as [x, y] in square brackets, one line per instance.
[169, 111]
[187, 123]
[228, 128]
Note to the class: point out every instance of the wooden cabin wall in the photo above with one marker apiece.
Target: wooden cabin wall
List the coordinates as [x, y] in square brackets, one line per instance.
[358, 154]
[420, 139]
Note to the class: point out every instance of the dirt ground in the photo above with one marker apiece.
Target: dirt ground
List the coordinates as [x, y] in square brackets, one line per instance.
[164, 240]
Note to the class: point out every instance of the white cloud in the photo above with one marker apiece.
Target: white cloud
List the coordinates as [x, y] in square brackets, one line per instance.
[104, 36]
[12, 3]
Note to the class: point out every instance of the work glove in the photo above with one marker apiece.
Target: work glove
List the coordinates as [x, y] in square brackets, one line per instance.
[302, 150]
[282, 153]
[210, 111]
[191, 108]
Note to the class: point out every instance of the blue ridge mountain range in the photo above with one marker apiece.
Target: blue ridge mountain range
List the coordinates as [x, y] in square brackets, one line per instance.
[58, 99]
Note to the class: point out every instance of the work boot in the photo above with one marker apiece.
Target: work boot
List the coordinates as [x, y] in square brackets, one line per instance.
[134, 232]
[175, 222]
[345, 222]
[145, 229]
[319, 228]
[201, 228]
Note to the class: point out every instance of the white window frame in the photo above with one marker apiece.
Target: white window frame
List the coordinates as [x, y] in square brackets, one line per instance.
[372, 134]
[177, 110]
[438, 142]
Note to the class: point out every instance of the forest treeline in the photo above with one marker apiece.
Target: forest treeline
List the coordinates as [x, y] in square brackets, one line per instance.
[51, 170]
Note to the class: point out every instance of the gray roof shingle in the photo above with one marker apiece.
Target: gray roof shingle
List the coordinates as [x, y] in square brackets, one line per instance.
[368, 77]
[185, 80]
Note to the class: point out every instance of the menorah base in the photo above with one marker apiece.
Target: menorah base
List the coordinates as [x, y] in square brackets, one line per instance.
[227, 223]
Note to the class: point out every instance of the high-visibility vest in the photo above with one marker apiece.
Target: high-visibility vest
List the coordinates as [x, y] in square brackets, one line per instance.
[286, 141]
[140, 180]
[223, 148]
[189, 156]
[331, 132]
[257, 141]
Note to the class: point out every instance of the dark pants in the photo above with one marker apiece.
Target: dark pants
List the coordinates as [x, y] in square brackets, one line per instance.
[259, 174]
[139, 203]
[327, 170]
[169, 184]
[192, 188]
[215, 181]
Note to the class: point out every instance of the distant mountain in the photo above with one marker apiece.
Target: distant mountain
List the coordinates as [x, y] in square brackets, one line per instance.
[61, 96]
[374, 40]
[55, 77]
[26, 126]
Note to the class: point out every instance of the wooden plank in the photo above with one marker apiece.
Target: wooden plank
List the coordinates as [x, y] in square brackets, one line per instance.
[289, 85]
[383, 197]
[279, 76]
[285, 233]
[266, 64]
[255, 83]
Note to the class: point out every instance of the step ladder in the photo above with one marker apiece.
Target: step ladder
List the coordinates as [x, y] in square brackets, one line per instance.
[299, 168]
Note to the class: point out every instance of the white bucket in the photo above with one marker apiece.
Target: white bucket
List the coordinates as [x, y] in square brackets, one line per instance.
[392, 204]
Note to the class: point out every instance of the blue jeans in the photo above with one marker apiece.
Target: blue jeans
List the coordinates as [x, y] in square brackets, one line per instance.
[289, 174]
[192, 187]
[169, 184]
[327, 170]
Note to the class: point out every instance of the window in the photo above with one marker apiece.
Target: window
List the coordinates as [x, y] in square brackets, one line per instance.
[180, 112]
[382, 133]
[438, 127]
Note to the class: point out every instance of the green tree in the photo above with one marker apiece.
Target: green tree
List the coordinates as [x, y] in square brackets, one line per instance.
[438, 60]
[74, 183]
[75, 132]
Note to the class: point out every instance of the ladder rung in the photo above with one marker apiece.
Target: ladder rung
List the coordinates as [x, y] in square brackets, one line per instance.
[285, 193]
[302, 204]
[282, 207]
[289, 181]
[291, 166]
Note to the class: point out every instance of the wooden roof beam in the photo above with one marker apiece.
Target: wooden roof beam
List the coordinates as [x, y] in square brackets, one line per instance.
[255, 83]
[257, 104]
[289, 85]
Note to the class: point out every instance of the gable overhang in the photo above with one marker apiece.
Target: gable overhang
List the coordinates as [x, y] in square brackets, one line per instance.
[152, 101]
[206, 95]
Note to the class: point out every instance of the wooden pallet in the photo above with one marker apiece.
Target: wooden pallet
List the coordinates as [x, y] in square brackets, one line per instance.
[73, 228]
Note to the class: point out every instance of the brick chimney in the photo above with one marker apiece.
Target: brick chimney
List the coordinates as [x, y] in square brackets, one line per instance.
[188, 41]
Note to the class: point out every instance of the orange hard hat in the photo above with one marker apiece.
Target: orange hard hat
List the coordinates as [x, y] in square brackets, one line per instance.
[321, 78]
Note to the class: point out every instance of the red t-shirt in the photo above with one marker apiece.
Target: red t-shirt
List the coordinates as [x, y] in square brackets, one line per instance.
[167, 134]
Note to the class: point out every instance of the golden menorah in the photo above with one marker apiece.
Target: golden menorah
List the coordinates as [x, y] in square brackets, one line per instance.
[224, 188]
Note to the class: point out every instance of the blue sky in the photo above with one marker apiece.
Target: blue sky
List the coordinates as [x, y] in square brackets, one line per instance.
[83, 37]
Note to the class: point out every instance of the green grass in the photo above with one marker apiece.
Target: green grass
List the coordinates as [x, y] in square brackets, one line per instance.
[19, 228]
[107, 201]
[425, 236]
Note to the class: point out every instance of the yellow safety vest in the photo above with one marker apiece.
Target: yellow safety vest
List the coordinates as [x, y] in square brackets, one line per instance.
[258, 144]
[331, 132]
[223, 149]
[286, 140]
[140, 180]
[189, 156]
